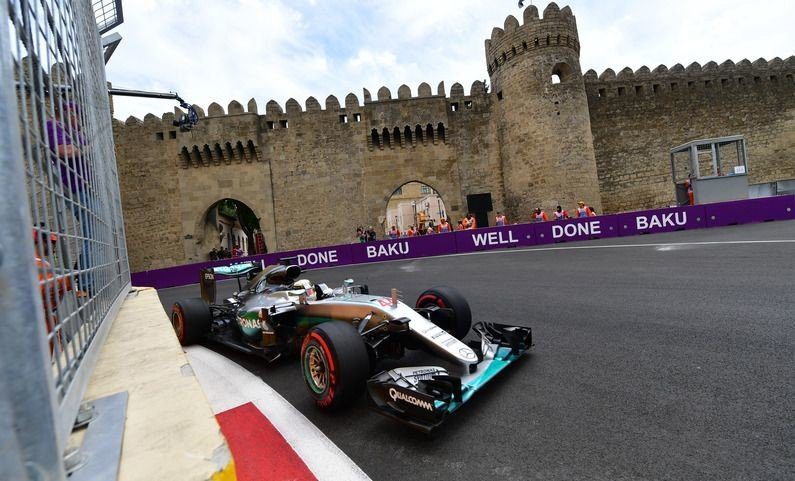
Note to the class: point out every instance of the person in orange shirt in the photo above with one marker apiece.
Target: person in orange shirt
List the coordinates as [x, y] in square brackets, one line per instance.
[410, 232]
[53, 287]
[539, 215]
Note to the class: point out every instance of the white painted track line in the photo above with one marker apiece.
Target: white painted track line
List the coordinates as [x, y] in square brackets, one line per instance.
[227, 385]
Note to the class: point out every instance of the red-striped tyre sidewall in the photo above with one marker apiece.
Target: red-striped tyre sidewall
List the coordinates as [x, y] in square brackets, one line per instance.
[177, 312]
[326, 398]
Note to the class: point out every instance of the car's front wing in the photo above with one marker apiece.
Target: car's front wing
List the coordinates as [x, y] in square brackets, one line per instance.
[423, 397]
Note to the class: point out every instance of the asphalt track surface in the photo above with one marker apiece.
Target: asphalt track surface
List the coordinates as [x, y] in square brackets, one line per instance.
[650, 362]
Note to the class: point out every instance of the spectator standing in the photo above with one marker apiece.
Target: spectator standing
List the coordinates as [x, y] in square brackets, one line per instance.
[469, 222]
[500, 220]
[430, 230]
[360, 234]
[560, 214]
[214, 254]
[394, 233]
[68, 148]
[460, 225]
[539, 215]
[444, 226]
[410, 232]
[236, 252]
[371, 234]
[583, 210]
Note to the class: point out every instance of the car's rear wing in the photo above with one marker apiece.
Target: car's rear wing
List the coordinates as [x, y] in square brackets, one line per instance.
[208, 276]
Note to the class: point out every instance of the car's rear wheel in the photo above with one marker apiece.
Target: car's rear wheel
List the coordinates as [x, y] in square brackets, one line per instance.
[191, 319]
[334, 363]
[449, 298]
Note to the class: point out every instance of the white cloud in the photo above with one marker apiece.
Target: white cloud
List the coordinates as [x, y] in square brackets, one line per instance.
[238, 49]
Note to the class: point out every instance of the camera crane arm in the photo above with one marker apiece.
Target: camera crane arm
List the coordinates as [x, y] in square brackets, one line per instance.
[185, 122]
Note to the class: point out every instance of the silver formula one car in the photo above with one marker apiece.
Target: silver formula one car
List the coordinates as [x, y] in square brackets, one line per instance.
[342, 335]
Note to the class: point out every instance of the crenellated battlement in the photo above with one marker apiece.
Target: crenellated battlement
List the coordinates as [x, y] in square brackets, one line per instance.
[332, 106]
[628, 83]
[556, 28]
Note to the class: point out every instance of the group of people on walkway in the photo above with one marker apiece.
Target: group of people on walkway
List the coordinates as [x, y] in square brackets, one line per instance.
[582, 210]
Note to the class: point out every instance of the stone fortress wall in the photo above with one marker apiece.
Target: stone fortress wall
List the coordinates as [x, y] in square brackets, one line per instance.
[313, 173]
[637, 117]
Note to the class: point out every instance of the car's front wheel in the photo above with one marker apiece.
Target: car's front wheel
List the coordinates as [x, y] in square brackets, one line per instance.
[447, 297]
[334, 363]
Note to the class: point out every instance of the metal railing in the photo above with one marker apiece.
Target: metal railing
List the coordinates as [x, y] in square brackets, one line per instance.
[63, 258]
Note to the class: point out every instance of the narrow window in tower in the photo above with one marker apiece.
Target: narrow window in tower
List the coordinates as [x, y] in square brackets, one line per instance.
[343, 119]
[789, 77]
[535, 42]
[724, 82]
[357, 117]
[385, 137]
[691, 84]
[774, 79]
[271, 125]
[524, 45]
[454, 107]
[621, 91]
[655, 88]
[548, 40]
[468, 104]
[707, 83]
[407, 134]
[602, 93]
[159, 136]
[674, 85]
[284, 124]
[499, 95]
[757, 80]
[513, 51]
[374, 138]
[639, 90]
[741, 80]
[172, 134]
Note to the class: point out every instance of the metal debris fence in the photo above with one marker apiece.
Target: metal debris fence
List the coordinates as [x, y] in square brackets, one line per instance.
[63, 258]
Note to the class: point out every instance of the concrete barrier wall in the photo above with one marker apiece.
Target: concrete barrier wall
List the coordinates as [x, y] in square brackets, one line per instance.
[519, 235]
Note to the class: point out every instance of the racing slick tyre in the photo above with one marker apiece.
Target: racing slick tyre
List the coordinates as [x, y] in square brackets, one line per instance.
[191, 319]
[449, 298]
[334, 363]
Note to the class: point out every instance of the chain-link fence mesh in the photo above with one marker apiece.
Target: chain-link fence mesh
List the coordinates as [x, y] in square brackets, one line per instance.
[66, 147]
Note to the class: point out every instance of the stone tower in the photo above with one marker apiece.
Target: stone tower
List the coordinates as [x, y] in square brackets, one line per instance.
[541, 113]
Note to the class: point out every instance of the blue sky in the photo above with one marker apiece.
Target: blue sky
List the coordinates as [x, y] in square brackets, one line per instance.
[223, 50]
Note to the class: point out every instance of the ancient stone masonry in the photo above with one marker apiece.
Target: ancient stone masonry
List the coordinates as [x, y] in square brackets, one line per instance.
[637, 116]
[315, 172]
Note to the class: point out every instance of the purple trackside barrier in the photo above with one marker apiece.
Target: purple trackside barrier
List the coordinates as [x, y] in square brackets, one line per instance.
[661, 220]
[189, 273]
[320, 257]
[495, 238]
[752, 210]
[633, 223]
[597, 227]
[404, 248]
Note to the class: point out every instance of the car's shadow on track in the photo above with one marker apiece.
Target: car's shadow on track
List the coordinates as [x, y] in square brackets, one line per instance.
[284, 377]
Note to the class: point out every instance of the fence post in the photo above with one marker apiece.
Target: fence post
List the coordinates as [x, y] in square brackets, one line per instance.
[28, 405]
